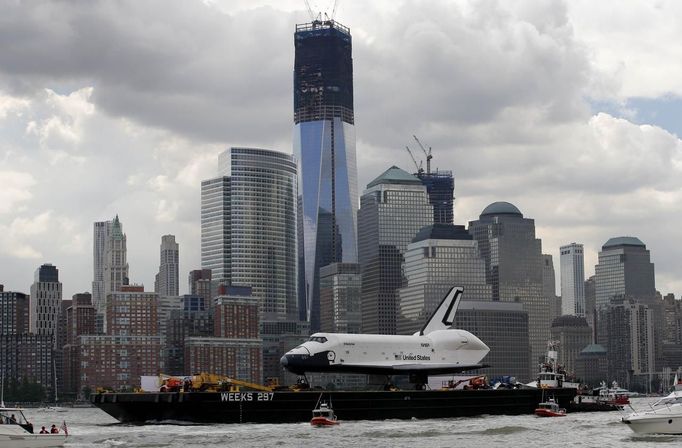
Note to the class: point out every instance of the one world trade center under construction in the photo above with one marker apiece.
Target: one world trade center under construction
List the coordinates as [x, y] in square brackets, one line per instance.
[324, 144]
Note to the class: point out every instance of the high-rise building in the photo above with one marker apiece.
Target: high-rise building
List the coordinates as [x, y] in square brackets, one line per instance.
[514, 267]
[340, 298]
[439, 257]
[573, 335]
[572, 280]
[14, 312]
[167, 280]
[236, 314]
[624, 271]
[591, 306]
[80, 320]
[393, 209]
[115, 262]
[324, 145]
[101, 231]
[132, 311]
[549, 287]
[46, 301]
[263, 227]
[440, 186]
[195, 319]
[200, 284]
[215, 228]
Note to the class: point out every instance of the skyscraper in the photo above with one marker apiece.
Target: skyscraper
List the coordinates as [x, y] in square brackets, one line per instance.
[440, 186]
[549, 287]
[439, 257]
[101, 230]
[262, 240]
[46, 301]
[324, 145]
[167, 280]
[115, 261]
[215, 228]
[572, 280]
[393, 209]
[514, 266]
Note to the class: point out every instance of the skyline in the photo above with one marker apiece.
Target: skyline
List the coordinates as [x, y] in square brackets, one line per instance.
[133, 133]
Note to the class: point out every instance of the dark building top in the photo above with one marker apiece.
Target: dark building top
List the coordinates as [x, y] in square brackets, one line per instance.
[569, 320]
[442, 232]
[323, 72]
[47, 273]
[395, 175]
[593, 349]
[623, 241]
[501, 208]
[440, 186]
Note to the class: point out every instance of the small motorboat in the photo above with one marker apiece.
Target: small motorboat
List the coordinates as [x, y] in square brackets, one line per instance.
[323, 415]
[550, 408]
[17, 432]
[663, 417]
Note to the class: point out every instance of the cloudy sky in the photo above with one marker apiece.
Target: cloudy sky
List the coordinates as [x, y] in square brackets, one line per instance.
[569, 110]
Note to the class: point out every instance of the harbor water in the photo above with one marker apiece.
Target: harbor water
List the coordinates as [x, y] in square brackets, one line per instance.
[91, 427]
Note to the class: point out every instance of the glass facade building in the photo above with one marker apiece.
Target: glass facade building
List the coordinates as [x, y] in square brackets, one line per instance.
[440, 186]
[439, 257]
[215, 228]
[572, 279]
[324, 144]
[514, 267]
[45, 303]
[393, 209]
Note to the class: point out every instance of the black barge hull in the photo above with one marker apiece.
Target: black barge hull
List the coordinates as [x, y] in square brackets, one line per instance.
[293, 407]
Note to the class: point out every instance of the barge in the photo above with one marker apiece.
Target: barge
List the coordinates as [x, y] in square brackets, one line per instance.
[296, 406]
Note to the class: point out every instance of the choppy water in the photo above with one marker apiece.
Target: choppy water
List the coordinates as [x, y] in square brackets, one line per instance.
[93, 428]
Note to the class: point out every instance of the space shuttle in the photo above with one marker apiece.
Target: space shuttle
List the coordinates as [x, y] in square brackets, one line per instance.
[434, 350]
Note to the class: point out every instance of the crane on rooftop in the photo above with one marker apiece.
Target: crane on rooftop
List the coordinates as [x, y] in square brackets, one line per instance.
[318, 17]
[418, 165]
[426, 153]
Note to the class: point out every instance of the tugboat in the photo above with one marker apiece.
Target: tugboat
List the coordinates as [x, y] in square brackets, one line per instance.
[550, 408]
[323, 415]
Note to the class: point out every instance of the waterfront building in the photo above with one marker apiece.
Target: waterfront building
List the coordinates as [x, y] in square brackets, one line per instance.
[514, 267]
[45, 302]
[572, 279]
[80, 320]
[29, 356]
[236, 314]
[439, 257]
[236, 358]
[592, 365]
[573, 335]
[167, 280]
[324, 146]
[393, 208]
[440, 187]
[549, 287]
[14, 312]
[195, 319]
[502, 326]
[215, 228]
[132, 312]
[340, 298]
[262, 239]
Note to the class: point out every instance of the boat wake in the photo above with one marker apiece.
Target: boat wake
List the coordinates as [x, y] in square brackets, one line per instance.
[502, 430]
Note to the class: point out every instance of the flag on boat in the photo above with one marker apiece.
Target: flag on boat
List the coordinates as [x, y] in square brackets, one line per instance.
[64, 428]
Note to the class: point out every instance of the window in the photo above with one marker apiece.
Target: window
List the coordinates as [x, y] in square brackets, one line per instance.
[320, 339]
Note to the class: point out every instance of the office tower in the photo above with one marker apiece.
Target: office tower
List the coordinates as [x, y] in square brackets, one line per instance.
[14, 312]
[115, 261]
[263, 223]
[324, 146]
[440, 187]
[591, 306]
[200, 284]
[624, 271]
[46, 301]
[215, 228]
[503, 326]
[592, 366]
[340, 298]
[167, 280]
[573, 335]
[513, 257]
[572, 279]
[439, 257]
[101, 231]
[549, 287]
[392, 210]
[630, 340]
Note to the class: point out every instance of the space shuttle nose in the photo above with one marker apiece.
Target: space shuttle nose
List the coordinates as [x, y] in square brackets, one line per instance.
[284, 361]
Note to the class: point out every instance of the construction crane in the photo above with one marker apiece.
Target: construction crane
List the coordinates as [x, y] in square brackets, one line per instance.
[428, 154]
[418, 165]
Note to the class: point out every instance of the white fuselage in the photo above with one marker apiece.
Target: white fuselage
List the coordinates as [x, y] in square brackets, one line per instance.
[441, 351]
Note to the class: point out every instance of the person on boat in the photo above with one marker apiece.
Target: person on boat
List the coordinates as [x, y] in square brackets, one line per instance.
[12, 420]
[54, 430]
[43, 431]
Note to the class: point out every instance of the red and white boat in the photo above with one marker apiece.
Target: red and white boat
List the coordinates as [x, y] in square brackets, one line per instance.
[324, 416]
[550, 408]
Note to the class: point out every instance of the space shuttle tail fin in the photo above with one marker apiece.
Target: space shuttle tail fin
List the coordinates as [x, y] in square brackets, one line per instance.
[443, 317]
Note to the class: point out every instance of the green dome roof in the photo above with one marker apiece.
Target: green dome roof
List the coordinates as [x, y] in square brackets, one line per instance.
[501, 208]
